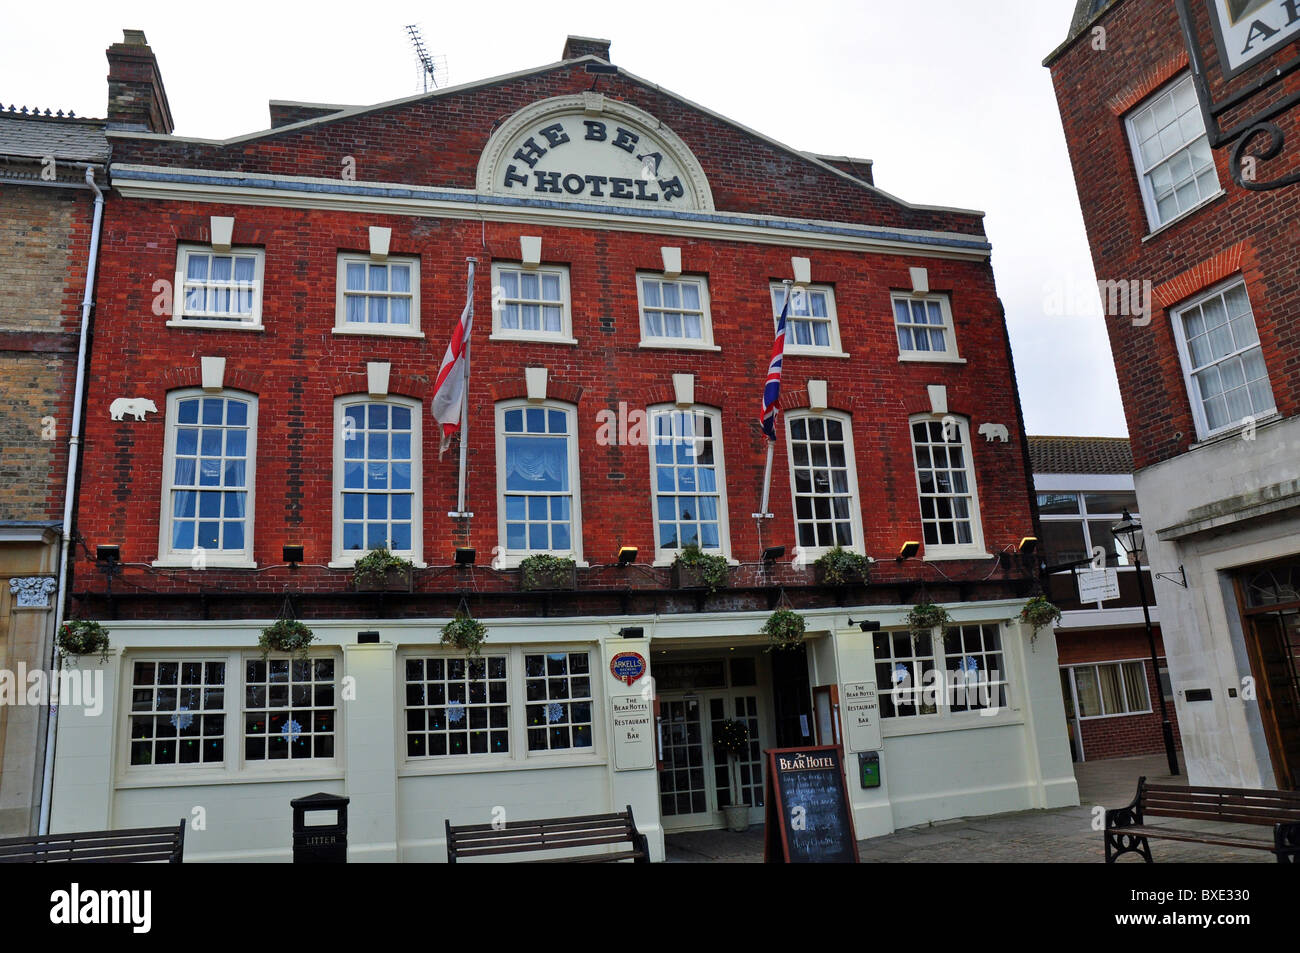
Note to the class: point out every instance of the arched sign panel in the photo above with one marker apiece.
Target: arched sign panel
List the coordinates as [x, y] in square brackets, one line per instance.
[591, 149]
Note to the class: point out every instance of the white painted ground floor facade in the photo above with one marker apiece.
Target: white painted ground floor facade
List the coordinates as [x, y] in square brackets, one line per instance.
[1228, 513]
[197, 725]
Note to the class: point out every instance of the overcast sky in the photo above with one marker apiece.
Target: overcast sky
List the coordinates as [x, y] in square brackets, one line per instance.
[948, 97]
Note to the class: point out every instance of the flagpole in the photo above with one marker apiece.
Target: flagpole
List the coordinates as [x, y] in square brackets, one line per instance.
[763, 513]
[464, 400]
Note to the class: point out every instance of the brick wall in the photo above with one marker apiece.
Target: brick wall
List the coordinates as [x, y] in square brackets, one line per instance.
[45, 235]
[297, 368]
[1095, 88]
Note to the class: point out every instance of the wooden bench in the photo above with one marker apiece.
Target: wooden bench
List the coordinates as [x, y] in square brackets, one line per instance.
[556, 833]
[135, 846]
[1127, 831]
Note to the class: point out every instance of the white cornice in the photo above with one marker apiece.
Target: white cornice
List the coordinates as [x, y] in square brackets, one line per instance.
[369, 198]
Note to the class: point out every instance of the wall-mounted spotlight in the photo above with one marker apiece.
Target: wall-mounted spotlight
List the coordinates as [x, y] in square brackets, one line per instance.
[772, 553]
[367, 638]
[465, 556]
[1027, 545]
[867, 625]
[632, 632]
[626, 555]
[108, 554]
[909, 550]
[292, 555]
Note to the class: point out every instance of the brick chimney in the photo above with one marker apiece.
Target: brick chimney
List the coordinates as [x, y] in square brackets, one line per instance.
[136, 98]
[576, 46]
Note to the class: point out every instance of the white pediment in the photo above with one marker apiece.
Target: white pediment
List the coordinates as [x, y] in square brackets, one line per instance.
[592, 149]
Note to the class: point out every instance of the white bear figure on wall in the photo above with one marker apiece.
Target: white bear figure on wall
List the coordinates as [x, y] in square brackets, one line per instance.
[137, 407]
[991, 432]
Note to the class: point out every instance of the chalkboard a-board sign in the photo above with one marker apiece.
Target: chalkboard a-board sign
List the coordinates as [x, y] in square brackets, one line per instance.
[808, 816]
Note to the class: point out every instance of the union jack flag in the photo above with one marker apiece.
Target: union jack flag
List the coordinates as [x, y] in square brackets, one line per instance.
[772, 388]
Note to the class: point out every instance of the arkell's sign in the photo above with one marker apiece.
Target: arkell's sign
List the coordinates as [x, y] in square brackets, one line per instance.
[1249, 30]
[577, 158]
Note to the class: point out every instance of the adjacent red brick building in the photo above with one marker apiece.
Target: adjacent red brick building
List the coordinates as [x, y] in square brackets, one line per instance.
[1200, 287]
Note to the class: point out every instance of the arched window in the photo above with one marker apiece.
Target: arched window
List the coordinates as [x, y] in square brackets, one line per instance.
[538, 503]
[945, 479]
[207, 489]
[688, 481]
[377, 477]
[823, 481]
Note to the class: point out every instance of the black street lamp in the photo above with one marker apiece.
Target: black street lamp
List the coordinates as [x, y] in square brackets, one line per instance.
[1128, 532]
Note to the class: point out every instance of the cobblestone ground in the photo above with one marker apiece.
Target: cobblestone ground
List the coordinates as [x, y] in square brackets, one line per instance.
[1064, 835]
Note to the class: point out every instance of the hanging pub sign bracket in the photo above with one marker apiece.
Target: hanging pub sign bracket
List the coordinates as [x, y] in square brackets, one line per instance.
[1246, 34]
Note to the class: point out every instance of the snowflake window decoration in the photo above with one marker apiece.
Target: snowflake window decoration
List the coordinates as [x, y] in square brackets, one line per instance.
[554, 712]
[455, 713]
[901, 674]
[181, 718]
[970, 665]
[291, 731]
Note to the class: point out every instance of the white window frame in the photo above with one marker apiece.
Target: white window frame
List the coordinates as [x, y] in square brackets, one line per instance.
[855, 498]
[945, 717]
[500, 333]
[948, 356]
[776, 292]
[347, 558]
[1203, 431]
[179, 319]
[211, 559]
[509, 558]
[704, 342]
[1118, 663]
[387, 329]
[517, 706]
[1144, 172]
[233, 766]
[975, 548]
[665, 557]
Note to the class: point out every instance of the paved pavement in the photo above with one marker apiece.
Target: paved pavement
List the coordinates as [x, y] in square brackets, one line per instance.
[1064, 835]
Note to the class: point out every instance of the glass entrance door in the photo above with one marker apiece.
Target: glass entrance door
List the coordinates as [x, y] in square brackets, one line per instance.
[684, 795]
[742, 775]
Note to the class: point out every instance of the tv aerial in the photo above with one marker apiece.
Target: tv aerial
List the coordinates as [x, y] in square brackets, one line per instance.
[433, 69]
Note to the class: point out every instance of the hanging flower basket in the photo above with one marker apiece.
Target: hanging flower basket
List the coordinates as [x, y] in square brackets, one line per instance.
[465, 633]
[1039, 613]
[286, 635]
[784, 629]
[543, 572]
[840, 567]
[695, 569]
[78, 637]
[926, 617]
[381, 571]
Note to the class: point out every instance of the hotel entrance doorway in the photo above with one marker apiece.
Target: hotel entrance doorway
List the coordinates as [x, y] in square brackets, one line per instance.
[697, 693]
[1270, 598]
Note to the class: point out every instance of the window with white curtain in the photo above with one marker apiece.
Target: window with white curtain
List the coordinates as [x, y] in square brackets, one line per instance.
[531, 304]
[537, 477]
[1227, 379]
[674, 313]
[218, 289]
[378, 297]
[377, 477]
[690, 494]
[1172, 152]
[945, 478]
[207, 498]
[823, 481]
[1111, 688]
[811, 326]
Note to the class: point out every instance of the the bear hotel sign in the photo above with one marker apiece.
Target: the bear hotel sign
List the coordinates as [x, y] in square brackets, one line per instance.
[592, 150]
[1249, 30]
